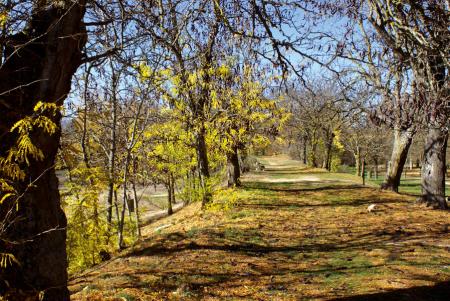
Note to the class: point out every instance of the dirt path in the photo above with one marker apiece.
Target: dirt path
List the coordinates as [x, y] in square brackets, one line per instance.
[151, 216]
[302, 240]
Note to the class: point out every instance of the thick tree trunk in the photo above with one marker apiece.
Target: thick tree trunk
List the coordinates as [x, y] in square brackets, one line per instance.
[402, 142]
[39, 70]
[233, 169]
[434, 168]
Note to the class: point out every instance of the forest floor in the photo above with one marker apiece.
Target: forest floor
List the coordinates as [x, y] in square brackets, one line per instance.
[293, 234]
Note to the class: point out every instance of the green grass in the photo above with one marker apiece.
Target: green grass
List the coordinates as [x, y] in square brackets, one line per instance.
[408, 184]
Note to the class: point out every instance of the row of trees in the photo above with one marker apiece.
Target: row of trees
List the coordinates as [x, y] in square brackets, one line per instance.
[398, 52]
[405, 60]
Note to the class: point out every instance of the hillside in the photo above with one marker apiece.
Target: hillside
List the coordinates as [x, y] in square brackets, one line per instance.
[293, 234]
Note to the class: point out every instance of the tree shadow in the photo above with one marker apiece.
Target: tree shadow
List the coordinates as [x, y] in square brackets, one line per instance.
[305, 186]
[438, 292]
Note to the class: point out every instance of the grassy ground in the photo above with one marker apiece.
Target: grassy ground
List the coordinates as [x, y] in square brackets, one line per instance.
[294, 234]
[409, 182]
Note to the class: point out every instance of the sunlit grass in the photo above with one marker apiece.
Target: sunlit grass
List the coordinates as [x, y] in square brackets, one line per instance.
[305, 240]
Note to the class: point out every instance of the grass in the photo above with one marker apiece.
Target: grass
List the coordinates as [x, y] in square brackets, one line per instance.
[304, 240]
[409, 182]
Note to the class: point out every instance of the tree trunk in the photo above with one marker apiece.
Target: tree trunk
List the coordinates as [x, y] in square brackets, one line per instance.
[402, 142]
[305, 150]
[136, 210]
[329, 153]
[312, 157]
[376, 168]
[434, 168]
[358, 161]
[169, 196]
[136, 201]
[172, 179]
[233, 169]
[124, 203]
[363, 171]
[203, 164]
[41, 69]
[113, 149]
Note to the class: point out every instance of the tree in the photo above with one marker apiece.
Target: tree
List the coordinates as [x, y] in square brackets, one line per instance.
[37, 64]
[245, 116]
[417, 32]
[319, 114]
[169, 153]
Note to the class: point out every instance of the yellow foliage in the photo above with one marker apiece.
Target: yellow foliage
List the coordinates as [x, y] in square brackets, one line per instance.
[223, 200]
[7, 260]
[21, 152]
[3, 19]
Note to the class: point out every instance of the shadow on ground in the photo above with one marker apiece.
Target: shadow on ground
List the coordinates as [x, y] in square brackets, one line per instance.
[286, 241]
[437, 292]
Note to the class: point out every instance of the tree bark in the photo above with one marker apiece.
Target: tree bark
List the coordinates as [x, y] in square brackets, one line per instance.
[358, 161]
[434, 168]
[305, 150]
[41, 69]
[233, 169]
[136, 200]
[329, 149]
[402, 141]
[376, 168]
[312, 157]
[202, 155]
[113, 148]
[169, 195]
[173, 188]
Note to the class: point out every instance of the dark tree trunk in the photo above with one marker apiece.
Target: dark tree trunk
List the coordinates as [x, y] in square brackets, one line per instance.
[203, 164]
[358, 161]
[305, 150]
[41, 70]
[434, 168]
[376, 168]
[363, 171]
[233, 169]
[328, 153]
[136, 204]
[312, 157]
[402, 142]
[169, 195]
[173, 188]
